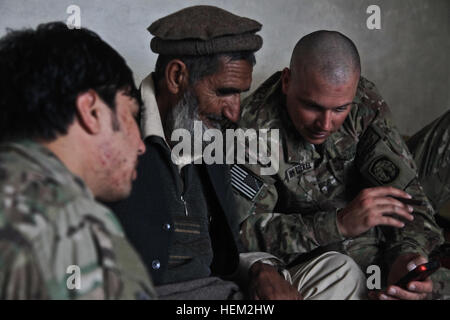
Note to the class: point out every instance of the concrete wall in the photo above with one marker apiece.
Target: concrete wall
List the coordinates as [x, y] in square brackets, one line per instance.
[408, 58]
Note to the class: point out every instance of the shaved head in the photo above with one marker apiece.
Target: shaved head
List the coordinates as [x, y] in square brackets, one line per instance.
[321, 83]
[329, 54]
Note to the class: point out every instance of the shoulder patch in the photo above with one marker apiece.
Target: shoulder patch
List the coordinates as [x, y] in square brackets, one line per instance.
[245, 182]
[384, 170]
[369, 140]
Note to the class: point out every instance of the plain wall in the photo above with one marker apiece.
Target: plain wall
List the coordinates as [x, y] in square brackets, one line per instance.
[408, 58]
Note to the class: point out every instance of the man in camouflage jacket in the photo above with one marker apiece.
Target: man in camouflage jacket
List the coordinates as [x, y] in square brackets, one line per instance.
[68, 134]
[341, 162]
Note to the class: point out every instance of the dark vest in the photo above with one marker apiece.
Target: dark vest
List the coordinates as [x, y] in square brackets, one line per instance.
[155, 221]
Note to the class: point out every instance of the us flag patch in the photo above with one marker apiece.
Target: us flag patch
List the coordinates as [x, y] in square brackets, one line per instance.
[245, 182]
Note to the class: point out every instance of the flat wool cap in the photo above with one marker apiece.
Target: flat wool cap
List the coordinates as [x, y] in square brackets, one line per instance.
[204, 30]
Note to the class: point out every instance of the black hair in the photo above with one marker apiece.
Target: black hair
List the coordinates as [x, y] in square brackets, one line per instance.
[43, 71]
[201, 66]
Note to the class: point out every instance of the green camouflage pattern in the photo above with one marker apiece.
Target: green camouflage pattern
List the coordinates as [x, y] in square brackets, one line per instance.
[441, 285]
[431, 150]
[49, 221]
[295, 210]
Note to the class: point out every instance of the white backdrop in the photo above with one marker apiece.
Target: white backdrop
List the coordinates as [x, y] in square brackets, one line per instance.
[408, 58]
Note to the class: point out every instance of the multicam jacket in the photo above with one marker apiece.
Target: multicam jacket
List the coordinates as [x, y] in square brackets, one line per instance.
[53, 231]
[294, 210]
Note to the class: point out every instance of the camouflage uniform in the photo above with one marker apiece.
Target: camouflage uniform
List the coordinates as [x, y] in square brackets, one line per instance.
[50, 221]
[431, 150]
[294, 211]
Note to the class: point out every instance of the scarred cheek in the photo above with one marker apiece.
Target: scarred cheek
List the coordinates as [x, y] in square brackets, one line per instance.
[106, 154]
[121, 178]
[121, 175]
[111, 159]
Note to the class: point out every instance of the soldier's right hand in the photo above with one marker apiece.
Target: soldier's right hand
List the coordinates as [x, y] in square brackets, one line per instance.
[373, 207]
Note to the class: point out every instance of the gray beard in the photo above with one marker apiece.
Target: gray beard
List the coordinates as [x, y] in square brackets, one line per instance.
[183, 115]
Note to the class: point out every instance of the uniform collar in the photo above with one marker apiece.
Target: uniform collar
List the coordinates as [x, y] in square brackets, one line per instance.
[298, 150]
[49, 162]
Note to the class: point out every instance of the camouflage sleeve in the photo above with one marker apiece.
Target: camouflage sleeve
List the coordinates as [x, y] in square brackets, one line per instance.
[431, 150]
[384, 159]
[281, 234]
[19, 274]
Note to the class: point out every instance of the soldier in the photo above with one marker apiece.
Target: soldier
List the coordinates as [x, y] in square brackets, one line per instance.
[430, 148]
[181, 215]
[69, 135]
[344, 171]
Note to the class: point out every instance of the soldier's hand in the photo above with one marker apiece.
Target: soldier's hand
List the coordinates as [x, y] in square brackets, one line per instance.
[416, 290]
[373, 207]
[267, 284]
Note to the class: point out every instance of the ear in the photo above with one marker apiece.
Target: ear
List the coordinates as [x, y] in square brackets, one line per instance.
[285, 79]
[176, 76]
[88, 111]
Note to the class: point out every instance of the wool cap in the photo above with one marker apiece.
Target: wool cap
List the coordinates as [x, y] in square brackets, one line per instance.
[204, 30]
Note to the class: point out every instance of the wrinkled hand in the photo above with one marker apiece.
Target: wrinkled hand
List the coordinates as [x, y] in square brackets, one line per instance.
[267, 284]
[373, 207]
[417, 290]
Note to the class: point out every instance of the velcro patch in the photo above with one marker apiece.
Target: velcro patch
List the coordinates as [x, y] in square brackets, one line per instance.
[382, 166]
[384, 170]
[369, 140]
[245, 182]
[291, 173]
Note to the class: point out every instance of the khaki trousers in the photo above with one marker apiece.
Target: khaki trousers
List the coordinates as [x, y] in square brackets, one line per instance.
[330, 276]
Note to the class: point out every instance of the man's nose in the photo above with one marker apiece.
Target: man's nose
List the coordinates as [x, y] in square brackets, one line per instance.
[233, 109]
[326, 121]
